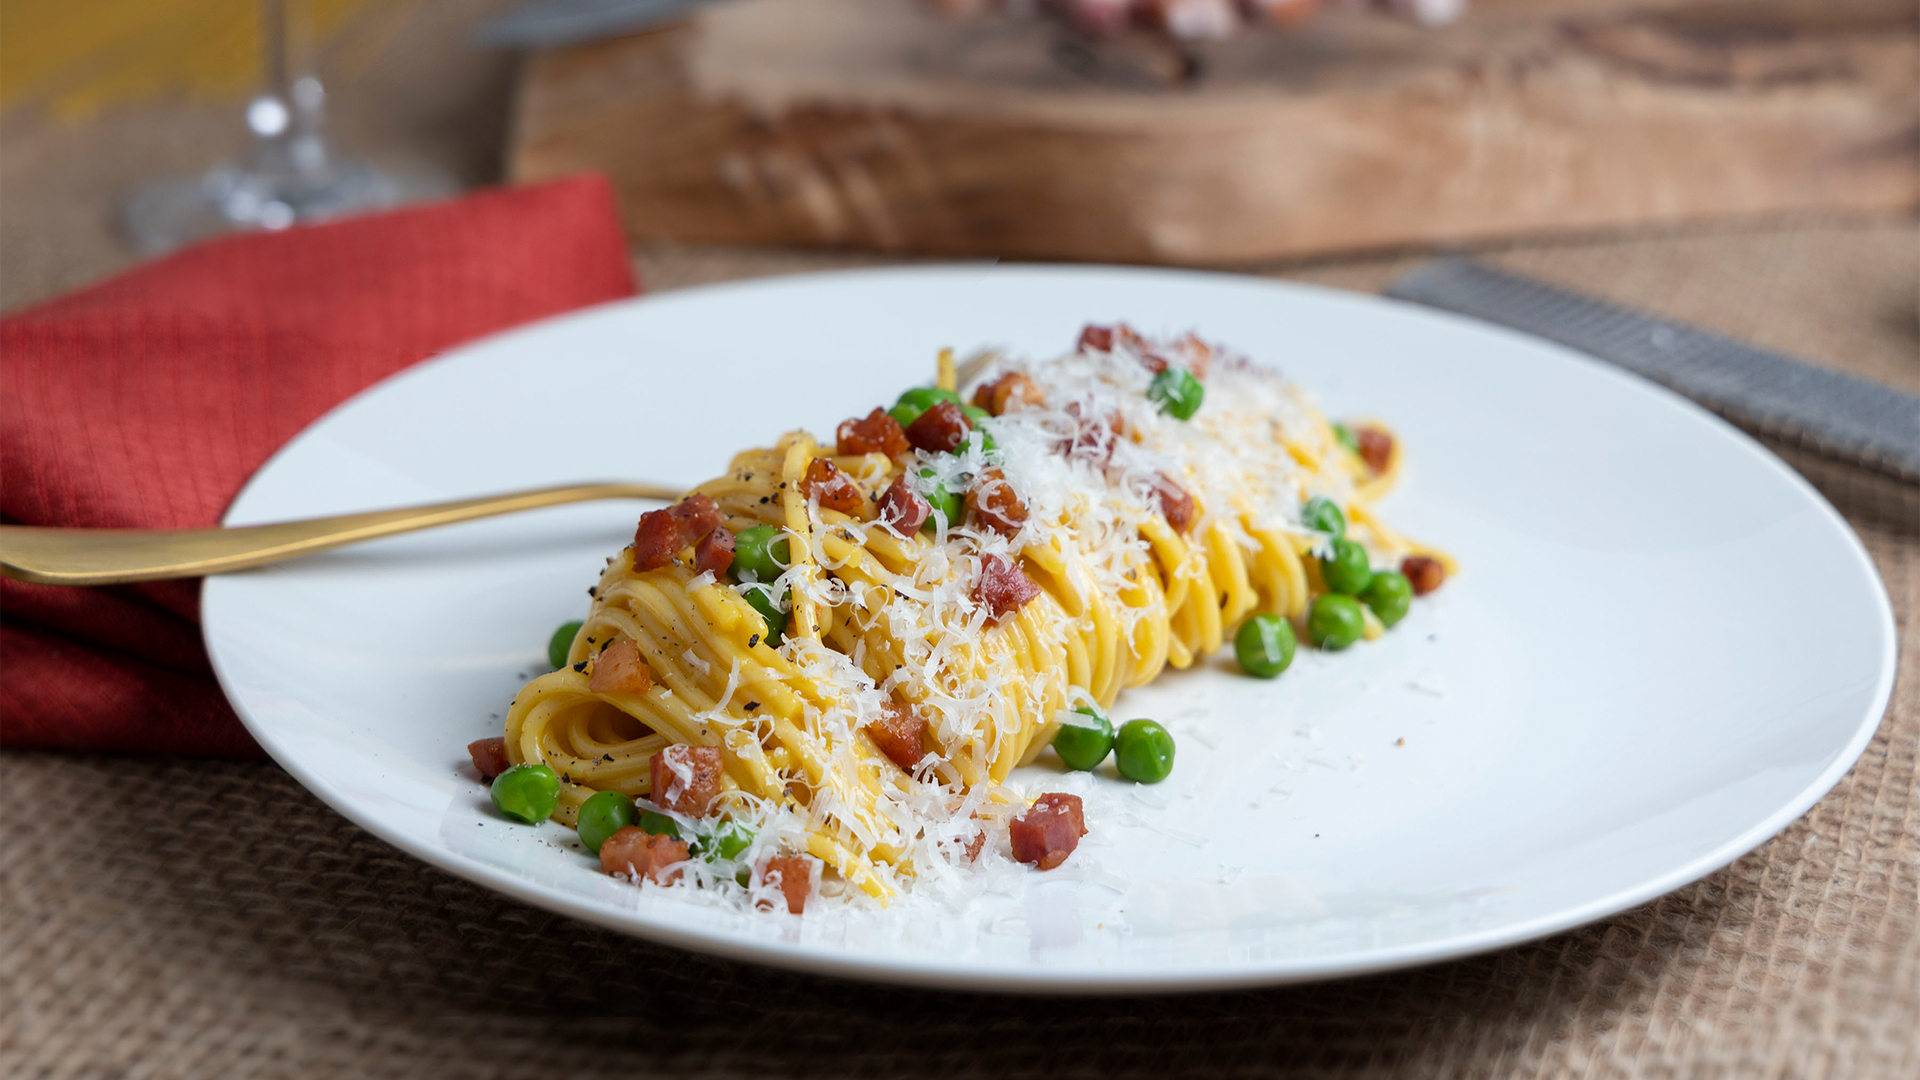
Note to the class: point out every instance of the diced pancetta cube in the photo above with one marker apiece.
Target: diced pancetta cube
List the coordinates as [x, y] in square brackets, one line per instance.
[1048, 831]
[634, 853]
[619, 670]
[663, 533]
[1008, 391]
[1095, 337]
[877, 433]
[794, 876]
[489, 757]
[903, 509]
[831, 488]
[995, 505]
[714, 553]
[1376, 447]
[686, 778]
[1424, 573]
[973, 846]
[1002, 588]
[941, 429]
[1198, 355]
[1175, 504]
[1093, 438]
[900, 734]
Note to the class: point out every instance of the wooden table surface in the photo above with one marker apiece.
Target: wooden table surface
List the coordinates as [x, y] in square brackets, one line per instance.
[879, 124]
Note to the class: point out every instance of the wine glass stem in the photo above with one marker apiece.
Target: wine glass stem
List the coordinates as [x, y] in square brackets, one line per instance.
[288, 138]
[291, 173]
[273, 48]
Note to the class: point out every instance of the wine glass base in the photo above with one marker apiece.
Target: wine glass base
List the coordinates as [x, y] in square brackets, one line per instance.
[168, 214]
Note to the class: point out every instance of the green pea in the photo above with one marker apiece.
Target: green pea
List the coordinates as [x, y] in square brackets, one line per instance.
[905, 415]
[659, 824]
[760, 554]
[560, 643]
[1178, 392]
[1335, 621]
[1349, 570]
[1264, 645]
[950, 504]
[944, 500]
[528, 793]
[1389, 594]
[727, 841]
[1084, 737]
[603, 814]
[1320, 515]
[761, 597]
[975, 414]
[1143, 751]
[926, 397]
[1345, 437]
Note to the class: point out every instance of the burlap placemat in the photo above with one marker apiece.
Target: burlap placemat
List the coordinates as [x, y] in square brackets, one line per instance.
[164, 918]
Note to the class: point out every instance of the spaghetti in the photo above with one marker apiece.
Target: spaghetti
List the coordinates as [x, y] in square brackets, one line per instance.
[946, 582]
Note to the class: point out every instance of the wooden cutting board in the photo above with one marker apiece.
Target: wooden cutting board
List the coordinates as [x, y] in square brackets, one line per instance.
[877, 124]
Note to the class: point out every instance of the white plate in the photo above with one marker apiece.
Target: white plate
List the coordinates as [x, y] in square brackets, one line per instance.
[1664, 646]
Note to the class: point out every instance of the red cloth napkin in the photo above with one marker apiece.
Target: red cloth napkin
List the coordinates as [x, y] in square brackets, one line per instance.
[147, 401]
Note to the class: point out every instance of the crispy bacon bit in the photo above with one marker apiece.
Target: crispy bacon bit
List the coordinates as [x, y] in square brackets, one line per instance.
[900, 734]
[1188, 351]
[903, 509]
[1067, 804]
[625, 852]
[794, 875]
[685, 778]
[714, 553]
[1376, 447]
[1199, 355]
[1094, 439]
[1048, 831]
[1004, 392]
[878, 433]
[489, 757]
[634, 853]
[1424, 572]
[1109, 338]
[1131, 340]
[834, 489]
[974, 845]
[995, 504]
[662, 533]
[1003, 588]
[619, 670]
[664, 856]
[941, 429]
[655, 541]
[1175, 504]
[698, 511]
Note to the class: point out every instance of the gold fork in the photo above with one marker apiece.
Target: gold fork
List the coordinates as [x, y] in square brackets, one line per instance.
[116, 556]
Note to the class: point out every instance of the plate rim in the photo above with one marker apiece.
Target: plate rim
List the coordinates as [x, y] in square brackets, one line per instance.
[935, 973]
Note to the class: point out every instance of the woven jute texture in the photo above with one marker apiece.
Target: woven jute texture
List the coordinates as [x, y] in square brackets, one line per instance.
[190, 918]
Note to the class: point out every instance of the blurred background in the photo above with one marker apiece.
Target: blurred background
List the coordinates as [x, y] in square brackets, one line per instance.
[1334, 140]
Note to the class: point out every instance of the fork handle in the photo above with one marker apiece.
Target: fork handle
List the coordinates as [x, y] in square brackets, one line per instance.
[48, 556]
